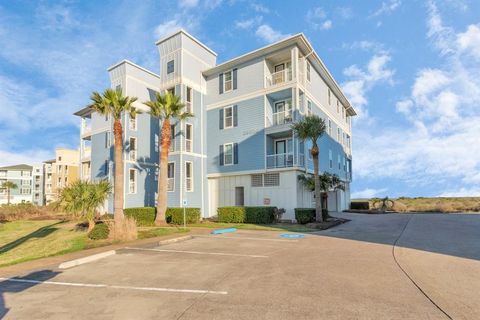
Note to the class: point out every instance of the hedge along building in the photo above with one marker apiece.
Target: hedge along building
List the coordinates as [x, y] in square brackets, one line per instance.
[238, 149]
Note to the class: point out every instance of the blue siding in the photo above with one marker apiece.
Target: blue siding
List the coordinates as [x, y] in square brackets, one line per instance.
[249, 134]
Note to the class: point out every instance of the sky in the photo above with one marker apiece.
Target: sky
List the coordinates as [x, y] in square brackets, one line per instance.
[411, 69]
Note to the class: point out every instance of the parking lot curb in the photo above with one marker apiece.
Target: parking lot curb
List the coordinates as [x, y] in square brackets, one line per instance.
[179, 239]
[80, 261]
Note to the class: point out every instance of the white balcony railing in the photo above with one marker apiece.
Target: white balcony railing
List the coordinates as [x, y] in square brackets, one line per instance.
[284, 160]
[170, 184]
[188, 145]
[279, 77]
[282, 117]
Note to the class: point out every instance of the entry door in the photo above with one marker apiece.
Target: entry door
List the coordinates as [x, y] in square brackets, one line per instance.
[239, 196]
[279, 116]
[279, 76]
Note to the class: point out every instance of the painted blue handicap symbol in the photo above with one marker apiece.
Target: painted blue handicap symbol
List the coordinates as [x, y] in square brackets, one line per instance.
[292, 235]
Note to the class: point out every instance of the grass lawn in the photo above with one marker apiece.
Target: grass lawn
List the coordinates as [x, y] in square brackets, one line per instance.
[247, 226]
[25, 240]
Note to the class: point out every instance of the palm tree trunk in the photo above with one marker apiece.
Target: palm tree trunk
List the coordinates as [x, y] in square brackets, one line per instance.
[166, 136]
[316, 177]
[119, 176]
[91, 225]
[8, 196]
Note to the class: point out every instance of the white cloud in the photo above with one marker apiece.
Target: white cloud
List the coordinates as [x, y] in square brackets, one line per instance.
[462, 192]
[362, 81]
[35, 156]
[368, 193]
[269, 35]
[344, 12]
[387, 7]
[317, 19]
[260, 8]
[365, 45]
[248, 23]
[187, 3]
[440, 145]
[469, 41]
[56, 18]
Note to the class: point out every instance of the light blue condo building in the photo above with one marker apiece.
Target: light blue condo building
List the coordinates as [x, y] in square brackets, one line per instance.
[239, 148]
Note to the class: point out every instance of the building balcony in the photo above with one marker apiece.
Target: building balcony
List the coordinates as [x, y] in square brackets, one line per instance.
[285, 160]
[279, 77]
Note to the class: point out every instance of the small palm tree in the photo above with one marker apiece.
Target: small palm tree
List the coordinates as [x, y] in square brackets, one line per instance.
[312, 128]
[328, 182]
[113, 103]
[165, 108]
[83, 198]
[8, 185]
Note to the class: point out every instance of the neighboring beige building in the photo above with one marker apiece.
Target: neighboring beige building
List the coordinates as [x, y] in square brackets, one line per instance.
[60, 172]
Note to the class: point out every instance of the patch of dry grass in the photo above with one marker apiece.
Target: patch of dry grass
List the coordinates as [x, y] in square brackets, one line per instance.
[126, 230]
[446, 205]
[28, 211]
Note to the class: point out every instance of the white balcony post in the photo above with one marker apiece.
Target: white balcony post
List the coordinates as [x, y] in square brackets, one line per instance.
[294, 63]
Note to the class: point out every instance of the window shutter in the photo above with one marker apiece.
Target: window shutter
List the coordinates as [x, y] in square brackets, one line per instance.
[235, 115]
[220, 83]
[234, 79]
[220, 123]
[235, 153]
[220, 154]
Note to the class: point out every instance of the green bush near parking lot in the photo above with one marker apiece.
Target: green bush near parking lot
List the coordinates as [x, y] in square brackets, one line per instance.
[256, 215]
[360, 205]
[99, 231]
[304, 215]
[175, 215]
[146, 216]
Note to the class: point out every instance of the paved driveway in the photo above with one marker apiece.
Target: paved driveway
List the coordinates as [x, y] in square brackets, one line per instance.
[349, 272]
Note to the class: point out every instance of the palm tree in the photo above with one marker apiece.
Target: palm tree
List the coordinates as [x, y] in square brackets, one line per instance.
[8, 185]
[165, 108]
[83, 198]
[113, 103]
[312, 128]
[328, 182]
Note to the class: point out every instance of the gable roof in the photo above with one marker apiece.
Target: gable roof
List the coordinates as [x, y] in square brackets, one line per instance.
[17, 167]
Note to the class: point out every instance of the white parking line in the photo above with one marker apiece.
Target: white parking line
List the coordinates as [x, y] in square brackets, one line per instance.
[245, 238]
[199, 252]
[90, 285]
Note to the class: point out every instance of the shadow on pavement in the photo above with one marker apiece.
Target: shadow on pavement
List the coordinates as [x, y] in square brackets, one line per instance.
[39, 233]
[15, 287]
[450, 234]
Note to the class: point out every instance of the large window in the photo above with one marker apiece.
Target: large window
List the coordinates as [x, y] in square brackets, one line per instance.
[338, 134]
[309, 108]
[228, 154]
[227, 81]
[132, 153]
[170, 66]
[228, 118]
[171, 177]
[132, 181]
[188, 137]
[188, 176]
[330, 127]
[132, 124]
[188, 100]
[338, 107]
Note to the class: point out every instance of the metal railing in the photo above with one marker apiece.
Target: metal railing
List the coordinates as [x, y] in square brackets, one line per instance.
[279, 77]
[282, 117]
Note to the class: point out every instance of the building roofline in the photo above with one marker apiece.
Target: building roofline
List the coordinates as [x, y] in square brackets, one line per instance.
[299, 37]
[126, 61]
[86, 111]
[180, 30]
[17, 167]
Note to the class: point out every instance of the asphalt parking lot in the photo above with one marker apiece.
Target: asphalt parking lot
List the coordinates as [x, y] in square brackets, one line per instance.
[353, 271]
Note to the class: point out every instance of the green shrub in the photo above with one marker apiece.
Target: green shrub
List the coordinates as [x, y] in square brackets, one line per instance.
[231, 214]
[100, 231]
[304, 215]
[256, 215]
[175, 215]
[360, 205]
[145, 216]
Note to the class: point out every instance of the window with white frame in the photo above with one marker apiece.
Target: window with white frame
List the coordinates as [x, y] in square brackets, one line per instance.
[330, 158]
[188, 100]
[132, 124]
[330, 127]
[339, 162]
[171, 177]
[228, 117]
[228, 154]
[338, 134]
[344, 164]
[132, 181]
[343, 112]
[188, 176]
[132, 147]
[329, 97]
[308, 70]
[105, 169]
[227, 81]
[25, 182]
[309, 108]
[25, 191]
[170, 66]
[338, 106]
[107, 139]
[188, 137]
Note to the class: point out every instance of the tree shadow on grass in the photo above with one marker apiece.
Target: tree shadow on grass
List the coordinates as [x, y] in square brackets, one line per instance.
[39, 233]
[19, 284]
